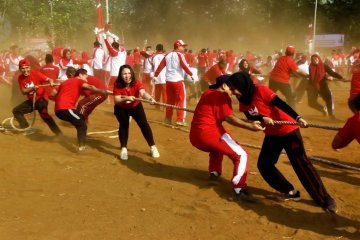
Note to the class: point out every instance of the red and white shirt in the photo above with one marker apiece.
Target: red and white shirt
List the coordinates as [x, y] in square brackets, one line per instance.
[98, 58]
[117, 58]
[176, 66]
[155, 62]
[260, 105]
[35, 78]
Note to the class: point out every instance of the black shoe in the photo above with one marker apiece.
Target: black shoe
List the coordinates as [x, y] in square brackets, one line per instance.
[330, 206]
[214, 176]
[245, 196]
[293, 195]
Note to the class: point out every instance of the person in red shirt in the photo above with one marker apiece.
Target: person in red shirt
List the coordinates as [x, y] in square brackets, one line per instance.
[355, 85]
[318, 85]
[209, 135]
[260, 103]
[51, 71]
[137, 62]
[280, 75]
[215, 71]
[126, 89]
[129, 58]
[202, 65]
[29, 80]
[65, 103]
[350, 130]
[91, 99]
[190, 57]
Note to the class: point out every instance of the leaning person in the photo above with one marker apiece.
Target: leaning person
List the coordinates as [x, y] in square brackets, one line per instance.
[209, 135]
[260, 103]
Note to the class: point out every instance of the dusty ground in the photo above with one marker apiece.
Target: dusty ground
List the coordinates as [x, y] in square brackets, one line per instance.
[50, 192]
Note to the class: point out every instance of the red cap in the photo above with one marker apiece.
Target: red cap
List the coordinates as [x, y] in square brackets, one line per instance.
[179, 43]
[24, 62]
[290, 50]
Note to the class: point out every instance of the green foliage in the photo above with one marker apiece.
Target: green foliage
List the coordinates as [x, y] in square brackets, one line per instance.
[227, 23]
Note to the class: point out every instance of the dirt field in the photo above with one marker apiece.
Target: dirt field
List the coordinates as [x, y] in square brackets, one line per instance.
[50, 192]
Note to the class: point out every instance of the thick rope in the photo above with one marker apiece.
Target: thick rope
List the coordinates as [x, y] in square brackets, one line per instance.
[309, 124]
[165, 105]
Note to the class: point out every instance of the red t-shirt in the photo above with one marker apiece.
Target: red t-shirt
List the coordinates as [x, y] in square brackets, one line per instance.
[214, 106]
[35, 78]
[202, 60]
[68, 93]
[355, 80]
[214, 72]
[351, 129]
[130, 60]
[282, 69]
[51, 71]
[132, 91]
[96, 83]
[260, 105]
[190, 59]
[137, 58]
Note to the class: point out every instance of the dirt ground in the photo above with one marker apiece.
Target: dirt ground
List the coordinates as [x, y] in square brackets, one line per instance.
[50, 192]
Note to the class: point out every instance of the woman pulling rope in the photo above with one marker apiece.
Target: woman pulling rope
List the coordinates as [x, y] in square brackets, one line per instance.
[260, 103]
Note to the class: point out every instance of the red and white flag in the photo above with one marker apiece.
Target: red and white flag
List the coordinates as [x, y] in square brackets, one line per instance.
[311, 31]
[100, 17]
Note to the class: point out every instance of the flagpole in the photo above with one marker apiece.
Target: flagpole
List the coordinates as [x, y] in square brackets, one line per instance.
[314, 35]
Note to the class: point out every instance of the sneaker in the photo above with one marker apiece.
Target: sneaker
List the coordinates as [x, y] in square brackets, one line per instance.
[167, 121]
[29, 131]
[293, 195]
[325, 111]
[331, 206]
[124, 154]
[214, 176]
[182, 124]
[245, 196]
[154, 152]
[82, 148]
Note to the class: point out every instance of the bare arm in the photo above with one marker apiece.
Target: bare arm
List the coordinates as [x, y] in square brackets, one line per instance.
[94, 89]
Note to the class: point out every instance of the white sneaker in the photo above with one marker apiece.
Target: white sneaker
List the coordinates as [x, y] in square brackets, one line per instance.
[29, 131]
[82, 148]
[154, 152]
[124, 154]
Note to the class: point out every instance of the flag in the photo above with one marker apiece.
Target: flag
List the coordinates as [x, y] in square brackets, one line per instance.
[100, 17]
[311, 31]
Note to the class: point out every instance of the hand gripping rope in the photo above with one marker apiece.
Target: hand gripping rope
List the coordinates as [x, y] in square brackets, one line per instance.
[11, 119]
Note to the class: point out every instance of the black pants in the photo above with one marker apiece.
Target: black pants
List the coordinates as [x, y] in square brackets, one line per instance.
[77, 120]
[307, 174]
[325, 93]
[285, 89]
[41, 106]
[138, 114]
